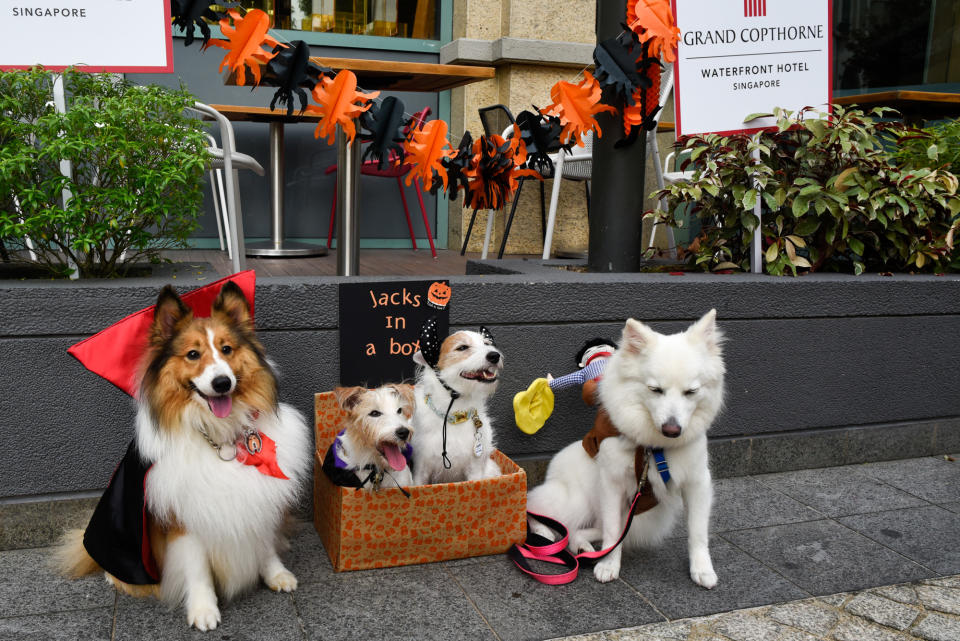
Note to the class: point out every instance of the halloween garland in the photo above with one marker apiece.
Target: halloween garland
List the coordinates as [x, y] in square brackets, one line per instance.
[487, 170]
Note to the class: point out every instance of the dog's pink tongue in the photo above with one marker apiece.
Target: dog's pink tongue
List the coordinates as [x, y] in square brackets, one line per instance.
[220, 405]
[394, 457]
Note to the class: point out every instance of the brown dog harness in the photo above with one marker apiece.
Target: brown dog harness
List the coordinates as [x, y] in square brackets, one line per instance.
[604, 428]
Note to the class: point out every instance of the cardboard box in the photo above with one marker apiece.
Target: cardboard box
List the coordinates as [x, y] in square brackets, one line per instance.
[364, 529]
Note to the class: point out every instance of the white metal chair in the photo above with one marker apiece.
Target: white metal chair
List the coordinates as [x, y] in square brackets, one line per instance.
[665, 175]
[228, 160]
[574, 165]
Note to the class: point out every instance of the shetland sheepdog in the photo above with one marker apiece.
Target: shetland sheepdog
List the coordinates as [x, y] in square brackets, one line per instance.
[215, 496]
[375, 441]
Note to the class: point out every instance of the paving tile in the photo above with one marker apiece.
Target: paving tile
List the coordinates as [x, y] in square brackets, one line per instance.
[926, 534]
[420, 605]
[674, 630]
[663, 576]
[811, 616]
[307, 558]
[83, 625]
[854, 629]
[823, 557]
[838, 491]
[744, 503]
[939, 598]
[937, 627]
[931, 478]
[900, 593]
[836, 600]
[943, 581]
[30, 525]
[518, 607]
[883, 611]
[747, 626]
[259, 616]
[28, 585]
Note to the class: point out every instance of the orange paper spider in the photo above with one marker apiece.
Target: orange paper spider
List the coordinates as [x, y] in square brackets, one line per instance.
[653, 20]
[576, 106]
[339, 103]
[244, 41]
[426, 149]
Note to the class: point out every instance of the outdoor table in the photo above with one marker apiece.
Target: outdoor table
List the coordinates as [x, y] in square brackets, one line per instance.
[388, 75]
[916, 106]
[277, 245]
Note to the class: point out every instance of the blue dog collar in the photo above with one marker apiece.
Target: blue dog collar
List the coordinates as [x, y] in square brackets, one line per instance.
[661, 462]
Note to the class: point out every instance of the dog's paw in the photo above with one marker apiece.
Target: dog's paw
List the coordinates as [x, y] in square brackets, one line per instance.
[282, 581]
[704, 577]
[580, 545]
[606, 571]
[203, 616]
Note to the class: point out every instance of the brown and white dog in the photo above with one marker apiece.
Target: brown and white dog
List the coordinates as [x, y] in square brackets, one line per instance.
[469, 365]
[214, 521]
[375, 440]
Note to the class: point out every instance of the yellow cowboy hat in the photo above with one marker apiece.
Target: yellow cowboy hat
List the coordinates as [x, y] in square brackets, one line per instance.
[533, 406]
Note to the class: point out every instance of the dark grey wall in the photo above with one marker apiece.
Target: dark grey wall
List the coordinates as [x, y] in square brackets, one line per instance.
[804, 356]
[308, 190]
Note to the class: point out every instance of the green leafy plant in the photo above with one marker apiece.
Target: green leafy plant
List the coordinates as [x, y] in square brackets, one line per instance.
[936, 146]
[135, 186]
[834, 197]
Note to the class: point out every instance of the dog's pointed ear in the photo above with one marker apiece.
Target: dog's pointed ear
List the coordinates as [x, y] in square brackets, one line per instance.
[407, 398]
[232, 305]
[706, 331]
[348, 397]
[636, 336]
[168, 313]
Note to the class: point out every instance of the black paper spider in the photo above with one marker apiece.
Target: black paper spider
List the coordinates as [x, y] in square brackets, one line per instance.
[383, 128]
[456, 179]
[540, 134]
[620, 64]
[291, 71]
[188, 14]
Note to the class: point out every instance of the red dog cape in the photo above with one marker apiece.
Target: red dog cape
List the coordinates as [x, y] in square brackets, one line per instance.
[117, 537]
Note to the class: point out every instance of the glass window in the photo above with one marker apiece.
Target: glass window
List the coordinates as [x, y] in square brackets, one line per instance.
[896, 44]
[390, 18]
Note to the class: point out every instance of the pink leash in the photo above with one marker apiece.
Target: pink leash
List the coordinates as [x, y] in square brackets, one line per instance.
[540, 548]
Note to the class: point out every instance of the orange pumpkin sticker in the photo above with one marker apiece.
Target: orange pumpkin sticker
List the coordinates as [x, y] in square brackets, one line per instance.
[438, 295]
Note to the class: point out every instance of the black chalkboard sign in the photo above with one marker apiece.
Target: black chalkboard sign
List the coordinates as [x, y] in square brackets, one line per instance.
[380, 327]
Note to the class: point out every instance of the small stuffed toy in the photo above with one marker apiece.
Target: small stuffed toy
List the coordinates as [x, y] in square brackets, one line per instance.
[534, 406]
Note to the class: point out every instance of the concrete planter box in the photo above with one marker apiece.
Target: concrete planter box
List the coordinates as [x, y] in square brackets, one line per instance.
[823, 370]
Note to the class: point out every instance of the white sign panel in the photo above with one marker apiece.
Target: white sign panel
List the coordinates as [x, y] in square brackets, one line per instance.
[97, 35]
[738, 57]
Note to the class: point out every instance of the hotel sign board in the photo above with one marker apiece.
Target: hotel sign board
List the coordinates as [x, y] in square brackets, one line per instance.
[739, 57]
[116, 36]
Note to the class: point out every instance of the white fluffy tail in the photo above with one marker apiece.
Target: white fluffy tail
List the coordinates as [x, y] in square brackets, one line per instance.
[70, 558]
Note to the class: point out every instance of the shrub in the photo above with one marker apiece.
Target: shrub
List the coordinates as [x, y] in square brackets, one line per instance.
[137, 170]
[833, 197]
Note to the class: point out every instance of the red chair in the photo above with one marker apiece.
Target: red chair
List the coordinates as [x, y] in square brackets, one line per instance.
[370, 168]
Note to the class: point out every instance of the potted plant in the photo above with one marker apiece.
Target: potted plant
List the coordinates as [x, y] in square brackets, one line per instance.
[135, 184]
[835, 197]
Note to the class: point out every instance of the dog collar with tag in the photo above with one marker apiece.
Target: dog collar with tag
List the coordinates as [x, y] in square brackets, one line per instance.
[458, 416]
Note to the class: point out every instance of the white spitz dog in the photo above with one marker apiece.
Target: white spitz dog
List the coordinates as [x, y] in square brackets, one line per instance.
[660, 392]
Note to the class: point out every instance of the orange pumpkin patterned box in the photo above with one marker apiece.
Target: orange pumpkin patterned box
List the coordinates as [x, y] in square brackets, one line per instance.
[362, 529]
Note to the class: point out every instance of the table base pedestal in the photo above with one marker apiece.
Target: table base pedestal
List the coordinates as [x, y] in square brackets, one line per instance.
[286, 248]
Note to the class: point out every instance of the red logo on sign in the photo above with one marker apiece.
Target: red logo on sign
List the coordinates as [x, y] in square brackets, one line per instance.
[754, 8]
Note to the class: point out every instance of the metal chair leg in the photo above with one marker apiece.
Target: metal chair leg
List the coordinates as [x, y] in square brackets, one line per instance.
[586, 186]
[426, 221]
[513, 209]
[466, 239]
[406, 212]
[333, 218]
[543, 211]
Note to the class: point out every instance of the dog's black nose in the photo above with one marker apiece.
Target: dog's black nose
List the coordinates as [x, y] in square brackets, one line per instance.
[493, 357]
[671, 428]
[221, 384]
[402, 433]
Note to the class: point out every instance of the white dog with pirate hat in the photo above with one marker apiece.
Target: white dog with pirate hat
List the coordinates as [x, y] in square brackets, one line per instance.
[453, 432]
